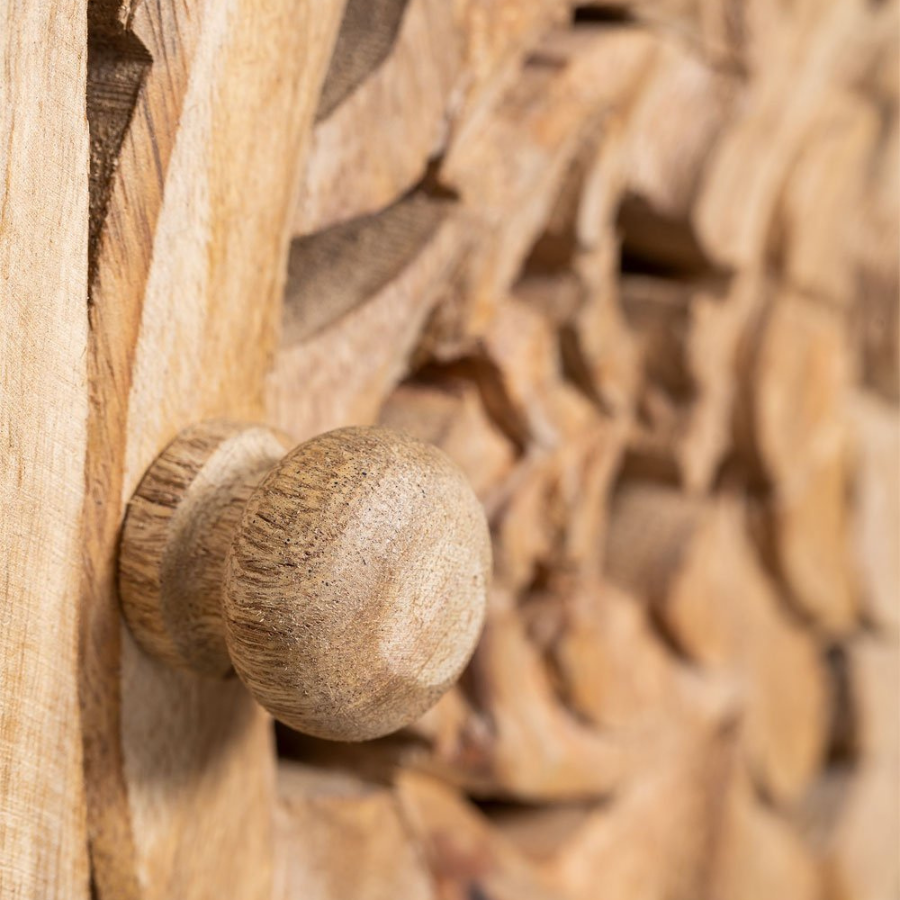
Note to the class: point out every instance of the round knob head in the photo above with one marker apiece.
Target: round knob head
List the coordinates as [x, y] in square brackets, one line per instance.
[355, 584]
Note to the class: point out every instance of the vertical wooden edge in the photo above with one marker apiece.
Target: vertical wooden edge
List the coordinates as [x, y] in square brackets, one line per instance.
[43, 422]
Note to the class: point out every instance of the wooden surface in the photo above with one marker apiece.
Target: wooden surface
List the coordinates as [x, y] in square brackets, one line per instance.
[356, 301]
[633, 266]
[650, 342]
[43, 434]
[395, 61]
[319, 812]
[188, 268]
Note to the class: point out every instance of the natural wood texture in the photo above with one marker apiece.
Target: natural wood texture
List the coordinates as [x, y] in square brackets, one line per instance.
[448, 412]
[176, 537]
[875, 242]
[515, 160]
[534, 750]
[852, 819]
[862, 859]
[687, 336]
[424, 69]
[761, 855]
[800, 441]
[633, 266]
[187, 273]
[724, 33]
[338, 835]
[576, 850]
[345, 581]
[744, 176]
[628, 849]
[646, 354]
[466, 856]
[877, 515]
[666, 153]
[602, 265]
[43, 435]
[409, 88]
[826, 182]
[348, 341]
[683, 558]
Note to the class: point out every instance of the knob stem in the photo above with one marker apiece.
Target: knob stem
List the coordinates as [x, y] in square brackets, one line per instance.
[180, 524]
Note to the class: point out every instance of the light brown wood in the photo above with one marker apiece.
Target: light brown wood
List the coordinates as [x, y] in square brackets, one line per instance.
[449, 413]
[687, 333]
[797, 374]
[861, 860]
[466, 855]
[655, 298]
[853, 818]
[760, 854]
[497, 38]
[684, 557]
[616, 671]
[43, 434]
[338, 835]
[876, 523]
[554, 514]
[633, 266]
[345, 581]
[745, 174]
[875, 243]
[348, 340]
[825, 200]
[187, 269]
[417, 63]
[626, 847]
[664, 158]
[722, 33]
[516, 158]
[535, 750]
[175, 541]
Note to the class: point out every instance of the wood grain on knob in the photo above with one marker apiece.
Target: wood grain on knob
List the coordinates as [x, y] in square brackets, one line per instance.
[344, 581]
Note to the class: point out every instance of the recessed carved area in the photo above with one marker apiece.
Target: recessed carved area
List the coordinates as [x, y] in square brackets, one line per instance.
[658, 245]
[117, 66]
[335, 271]
[603, 14]
[368, 30]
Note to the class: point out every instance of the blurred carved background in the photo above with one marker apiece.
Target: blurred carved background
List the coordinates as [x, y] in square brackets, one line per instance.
[634, 266]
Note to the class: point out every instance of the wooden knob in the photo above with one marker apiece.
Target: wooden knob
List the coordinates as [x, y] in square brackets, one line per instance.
[344, 581]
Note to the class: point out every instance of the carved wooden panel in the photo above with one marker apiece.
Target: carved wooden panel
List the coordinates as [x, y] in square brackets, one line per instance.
[633, 266]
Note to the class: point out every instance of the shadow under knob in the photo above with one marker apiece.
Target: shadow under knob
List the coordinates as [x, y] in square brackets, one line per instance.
[344, 580]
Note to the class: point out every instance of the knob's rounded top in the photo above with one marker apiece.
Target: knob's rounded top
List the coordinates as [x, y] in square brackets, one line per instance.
[356, 583]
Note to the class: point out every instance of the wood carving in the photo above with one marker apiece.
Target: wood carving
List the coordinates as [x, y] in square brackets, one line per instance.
[654, 357]
[631, 267]
[189, 235]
